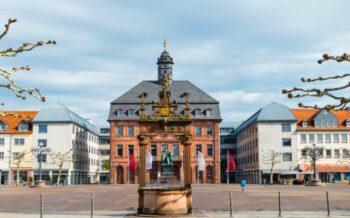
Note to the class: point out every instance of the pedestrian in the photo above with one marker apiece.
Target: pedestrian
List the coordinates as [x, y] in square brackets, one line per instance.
[264, 182]
[243, 183]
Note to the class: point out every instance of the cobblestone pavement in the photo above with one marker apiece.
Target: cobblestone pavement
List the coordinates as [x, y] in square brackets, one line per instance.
[207, 199]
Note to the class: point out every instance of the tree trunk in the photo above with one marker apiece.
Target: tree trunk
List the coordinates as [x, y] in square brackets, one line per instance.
[17, 179]
[59, 175]
[271, 175]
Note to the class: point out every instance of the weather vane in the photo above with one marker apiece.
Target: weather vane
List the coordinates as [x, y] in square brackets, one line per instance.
[165, 44]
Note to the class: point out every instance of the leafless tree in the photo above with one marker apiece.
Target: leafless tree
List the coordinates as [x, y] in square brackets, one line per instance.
[6, 74]
[342, 101]
[18, 159]
[59, 159]
[311, 154]
[272, 158]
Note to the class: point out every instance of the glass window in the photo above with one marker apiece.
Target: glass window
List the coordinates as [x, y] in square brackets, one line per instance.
[287, 141]
[329, 153]
[42, 142]
[336, 153]
[1, 155]
[346, 153]
[304, 123]
[320, 138]
[2, 141]
[210, 150]
[303, 138]
[286, 127]
[320, 153]
[23, 126]
[344, 137]
[119, 131]
[328, 138]
[119, 150]
[42, 128]
[176, 151]
[197, 112]
[336, 138]
[42, 158]
[19, 141]
[198, 131]
[209, 130]
[154, 150]
[3, 126]
[311, 138]
[208, 113]
[347, 123]
[131, 113]
[198, 148]
[130, 131]
[131, 149]
[287, 156]
[119, 112]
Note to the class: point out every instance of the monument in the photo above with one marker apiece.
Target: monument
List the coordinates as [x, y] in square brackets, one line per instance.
[164, 125]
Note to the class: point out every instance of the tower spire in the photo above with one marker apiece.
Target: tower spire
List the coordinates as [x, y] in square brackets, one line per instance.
[165, 64]
[165, 44]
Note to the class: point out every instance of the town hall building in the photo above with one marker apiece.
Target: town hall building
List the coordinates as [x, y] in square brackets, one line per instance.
[125, 114]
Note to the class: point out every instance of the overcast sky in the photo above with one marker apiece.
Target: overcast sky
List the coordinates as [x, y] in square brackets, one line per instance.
[241, 53]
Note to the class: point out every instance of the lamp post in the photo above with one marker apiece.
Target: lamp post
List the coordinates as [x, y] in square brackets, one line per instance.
[41, 151]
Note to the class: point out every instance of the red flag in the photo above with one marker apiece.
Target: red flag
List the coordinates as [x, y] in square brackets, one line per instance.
[132, 162]
[230, 162]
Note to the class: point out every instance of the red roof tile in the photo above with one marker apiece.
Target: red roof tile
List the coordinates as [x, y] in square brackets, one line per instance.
[13, 122]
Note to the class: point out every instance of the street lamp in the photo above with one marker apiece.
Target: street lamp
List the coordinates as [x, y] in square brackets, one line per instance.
[40, 152]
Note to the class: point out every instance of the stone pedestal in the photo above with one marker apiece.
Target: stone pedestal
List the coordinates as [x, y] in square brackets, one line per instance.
[40, 183]
[165, 201]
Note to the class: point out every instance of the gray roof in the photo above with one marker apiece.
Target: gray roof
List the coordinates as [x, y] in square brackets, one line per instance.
[198, 99]
[272, 112]
[234, 125]
[60, 113]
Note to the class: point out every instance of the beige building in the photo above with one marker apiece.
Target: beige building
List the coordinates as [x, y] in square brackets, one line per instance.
[16, 138]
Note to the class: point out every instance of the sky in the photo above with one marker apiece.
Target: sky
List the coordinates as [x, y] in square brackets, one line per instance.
[243, 53]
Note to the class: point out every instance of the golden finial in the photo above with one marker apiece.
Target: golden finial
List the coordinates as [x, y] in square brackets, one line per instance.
[165, 44]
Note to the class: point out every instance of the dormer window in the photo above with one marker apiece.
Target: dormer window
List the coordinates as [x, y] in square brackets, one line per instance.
[119, 112]
[197, 112]
[23, 126]
[347, 123]
[131, 112]
[208, 112]
[304, 123]
[3, 125]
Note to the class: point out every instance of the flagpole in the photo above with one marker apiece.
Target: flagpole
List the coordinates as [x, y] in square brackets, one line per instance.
[227, 169]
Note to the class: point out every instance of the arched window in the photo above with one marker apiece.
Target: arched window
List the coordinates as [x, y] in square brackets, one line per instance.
[3, 125]
[23, 126]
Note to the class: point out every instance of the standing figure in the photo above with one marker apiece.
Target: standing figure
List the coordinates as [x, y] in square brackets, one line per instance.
[243, 183]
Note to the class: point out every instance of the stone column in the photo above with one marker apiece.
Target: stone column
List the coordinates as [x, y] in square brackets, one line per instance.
[187, 161]
[143, 142]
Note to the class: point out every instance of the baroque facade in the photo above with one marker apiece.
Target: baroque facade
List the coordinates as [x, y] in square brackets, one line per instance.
[127, 110]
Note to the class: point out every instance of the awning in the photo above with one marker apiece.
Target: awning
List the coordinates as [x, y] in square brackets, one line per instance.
[280, 171]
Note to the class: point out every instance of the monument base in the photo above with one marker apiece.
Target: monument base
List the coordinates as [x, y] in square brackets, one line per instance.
[40, 183]
[165, 200]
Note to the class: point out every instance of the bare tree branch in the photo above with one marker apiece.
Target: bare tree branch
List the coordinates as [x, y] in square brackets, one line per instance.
[7, 74]
[342, 101]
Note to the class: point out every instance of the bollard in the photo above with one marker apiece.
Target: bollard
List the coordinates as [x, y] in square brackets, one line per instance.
[92, 205]
[279, 205]
[41, 206]
[328, 210]
[231, 204]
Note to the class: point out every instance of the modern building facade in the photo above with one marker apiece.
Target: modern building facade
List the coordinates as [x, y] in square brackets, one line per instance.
[289, 132]
[124, 119]
[104, 148]
[270, 129]
[63, 131]
[228, 142]
[330, 132]
[15, 138]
